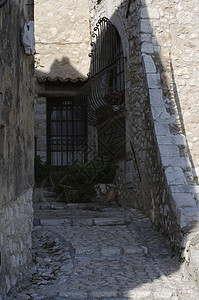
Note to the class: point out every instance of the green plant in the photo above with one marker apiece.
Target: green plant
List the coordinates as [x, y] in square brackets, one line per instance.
[42, 170]
[77, 184]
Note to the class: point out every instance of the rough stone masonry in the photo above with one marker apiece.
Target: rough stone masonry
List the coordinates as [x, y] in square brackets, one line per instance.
[160, 46]
[16, 145]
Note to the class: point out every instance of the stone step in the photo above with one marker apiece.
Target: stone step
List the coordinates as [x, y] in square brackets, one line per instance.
[114, 294]
[84, 221]
[49, 194]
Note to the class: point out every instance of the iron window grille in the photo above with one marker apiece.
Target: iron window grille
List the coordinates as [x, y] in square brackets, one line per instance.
[66, 132]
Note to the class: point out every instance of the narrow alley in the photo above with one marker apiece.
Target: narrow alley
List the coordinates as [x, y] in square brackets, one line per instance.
[100, 251]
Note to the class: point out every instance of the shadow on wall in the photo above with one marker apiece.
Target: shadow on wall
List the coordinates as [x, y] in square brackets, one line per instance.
[149, 174]
[60, 68]
[160, 152]
[173, 107]
[182, 127]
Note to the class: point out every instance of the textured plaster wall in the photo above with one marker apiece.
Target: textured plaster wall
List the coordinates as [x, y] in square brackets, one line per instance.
[62, 37]
[16, 144]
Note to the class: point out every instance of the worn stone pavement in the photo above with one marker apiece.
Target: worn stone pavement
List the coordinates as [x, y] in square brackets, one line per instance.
[100, 251]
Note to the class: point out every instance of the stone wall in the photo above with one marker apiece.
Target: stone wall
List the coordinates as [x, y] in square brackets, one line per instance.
[62, 38]
[16, 226]
[171, 39]
[164, 181]
[16, 140]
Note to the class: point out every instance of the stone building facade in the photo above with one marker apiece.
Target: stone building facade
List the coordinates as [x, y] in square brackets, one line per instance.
[159, 171]
[16, 140]
[62, 43]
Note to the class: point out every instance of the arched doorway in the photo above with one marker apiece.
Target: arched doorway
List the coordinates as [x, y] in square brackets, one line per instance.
[103, 97]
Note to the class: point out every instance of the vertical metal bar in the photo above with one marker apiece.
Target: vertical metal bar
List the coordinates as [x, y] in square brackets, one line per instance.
[61, 138]
[35, 145]
[72, 111]
[99, 51]
[48, 133]
[0, 95]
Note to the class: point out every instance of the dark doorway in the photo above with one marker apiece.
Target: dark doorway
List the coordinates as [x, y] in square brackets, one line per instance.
[66, 132]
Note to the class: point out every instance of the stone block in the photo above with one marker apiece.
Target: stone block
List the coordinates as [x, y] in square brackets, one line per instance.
[185, 189]
[111, 251]
[159, 112]
[169, 150]
[187, 217]
[144, 13]
[164, 140]
[156, 98]
[182, 162]
[147, 48]
[161, 128]
[145, 26]
[149, 64]
[175, 176]
[154, 81]
[179, 139]
[181, 200]
[145, 37]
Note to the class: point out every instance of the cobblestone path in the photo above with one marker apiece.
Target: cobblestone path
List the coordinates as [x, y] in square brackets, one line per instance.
[90, 252]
